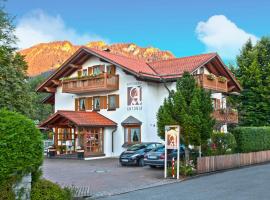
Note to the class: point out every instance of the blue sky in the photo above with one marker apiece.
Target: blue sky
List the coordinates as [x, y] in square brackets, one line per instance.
[182, 27]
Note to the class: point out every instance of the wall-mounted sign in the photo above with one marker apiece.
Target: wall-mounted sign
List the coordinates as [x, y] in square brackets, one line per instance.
[172, 141]
[134, 96]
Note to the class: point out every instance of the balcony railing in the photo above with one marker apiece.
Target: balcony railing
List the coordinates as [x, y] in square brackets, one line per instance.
[229, 116]
[211, 82]
[102, 82]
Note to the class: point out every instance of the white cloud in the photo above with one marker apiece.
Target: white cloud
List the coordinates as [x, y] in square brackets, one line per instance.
[221, 35]
[37, 27]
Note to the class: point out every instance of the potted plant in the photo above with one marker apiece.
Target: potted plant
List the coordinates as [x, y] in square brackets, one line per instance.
[62, 149]
[222, 79]
[211, 77]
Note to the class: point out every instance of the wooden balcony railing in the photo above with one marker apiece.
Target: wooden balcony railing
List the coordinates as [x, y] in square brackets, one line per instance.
[103, 82]
[229, 116]
[210, 82]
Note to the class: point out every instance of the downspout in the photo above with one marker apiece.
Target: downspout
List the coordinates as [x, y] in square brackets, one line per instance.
[113, 138]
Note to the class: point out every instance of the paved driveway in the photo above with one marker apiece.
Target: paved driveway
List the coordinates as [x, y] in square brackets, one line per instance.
[101, 177]
[250, 183]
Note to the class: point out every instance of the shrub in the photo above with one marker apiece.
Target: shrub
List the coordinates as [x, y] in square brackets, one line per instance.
[6, 191]
[46, 190]
[221, 143]
[21, 148]
[185, 169]
[251, 139]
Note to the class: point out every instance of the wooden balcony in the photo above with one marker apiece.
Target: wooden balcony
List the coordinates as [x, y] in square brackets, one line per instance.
[103, 82]
[229, 116]
[209, 82]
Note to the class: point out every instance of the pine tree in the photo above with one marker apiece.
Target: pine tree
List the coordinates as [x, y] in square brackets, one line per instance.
[253, 72]
[190, 107]
[15, 92]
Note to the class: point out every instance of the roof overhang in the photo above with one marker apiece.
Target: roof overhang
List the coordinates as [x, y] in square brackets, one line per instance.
[74, 63]
[77, 119]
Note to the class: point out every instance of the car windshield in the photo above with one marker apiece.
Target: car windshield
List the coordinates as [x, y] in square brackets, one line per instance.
[159, 149]
[136, 147]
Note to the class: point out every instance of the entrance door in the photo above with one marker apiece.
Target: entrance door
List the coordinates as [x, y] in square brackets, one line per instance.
[93, 141]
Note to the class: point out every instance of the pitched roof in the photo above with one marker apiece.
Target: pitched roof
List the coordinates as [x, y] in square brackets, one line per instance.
[131, 120]
[177, 66]
[79, 118]
[165, 69]
[132, 64]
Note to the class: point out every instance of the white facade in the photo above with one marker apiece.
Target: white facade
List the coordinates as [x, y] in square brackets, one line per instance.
[153, 95]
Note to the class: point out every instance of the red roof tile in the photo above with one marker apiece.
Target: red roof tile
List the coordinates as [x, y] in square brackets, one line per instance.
[80, 118]
[132, 64]
[166, 69]
[178, 66]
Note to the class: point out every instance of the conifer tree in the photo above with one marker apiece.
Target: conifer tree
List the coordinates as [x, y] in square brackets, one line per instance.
[190, 107]
[253, 72]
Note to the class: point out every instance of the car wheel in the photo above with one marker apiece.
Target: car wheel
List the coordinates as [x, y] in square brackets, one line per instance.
[152, 166]
[141, 162]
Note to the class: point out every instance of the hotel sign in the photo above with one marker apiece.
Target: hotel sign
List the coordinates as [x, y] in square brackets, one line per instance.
[172, 141]
[134, 96]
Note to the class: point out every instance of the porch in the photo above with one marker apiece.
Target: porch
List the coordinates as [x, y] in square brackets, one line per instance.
[77, 134]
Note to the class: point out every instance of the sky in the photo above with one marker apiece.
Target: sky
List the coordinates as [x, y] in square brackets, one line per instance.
[182, 27]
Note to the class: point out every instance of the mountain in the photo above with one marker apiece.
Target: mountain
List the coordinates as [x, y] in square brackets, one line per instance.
[45, 57]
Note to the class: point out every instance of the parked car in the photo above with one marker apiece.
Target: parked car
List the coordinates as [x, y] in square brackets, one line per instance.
[156, 157]
[134, 155]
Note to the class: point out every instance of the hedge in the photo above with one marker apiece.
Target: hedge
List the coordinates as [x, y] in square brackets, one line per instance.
[252, 139]
[46, 190]
[21, 147]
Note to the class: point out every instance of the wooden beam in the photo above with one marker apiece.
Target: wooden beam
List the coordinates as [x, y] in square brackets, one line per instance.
[212, 68]
[231, 88]
[56, 82]
[75, 66]
[50, 89]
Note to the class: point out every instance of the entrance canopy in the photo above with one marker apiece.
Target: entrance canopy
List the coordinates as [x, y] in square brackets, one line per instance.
[77, 118]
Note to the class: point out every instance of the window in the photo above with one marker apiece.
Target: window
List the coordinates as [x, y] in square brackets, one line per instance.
[84, 72]
[133, 134]
[79, 73]
[216, 103]
[202, 70]
[112, 102]
[82, 104]
[96, 101]
[111, 69]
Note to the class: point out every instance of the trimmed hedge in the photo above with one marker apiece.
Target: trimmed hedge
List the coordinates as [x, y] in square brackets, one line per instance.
[252, 139]
[21, 147]
[47, 190]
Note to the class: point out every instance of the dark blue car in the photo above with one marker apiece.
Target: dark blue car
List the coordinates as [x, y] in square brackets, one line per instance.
[134, 155]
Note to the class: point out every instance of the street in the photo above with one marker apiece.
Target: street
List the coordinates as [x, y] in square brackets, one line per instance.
[248, 183]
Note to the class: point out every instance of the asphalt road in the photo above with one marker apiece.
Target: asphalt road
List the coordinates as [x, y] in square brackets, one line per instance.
[250, 183]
